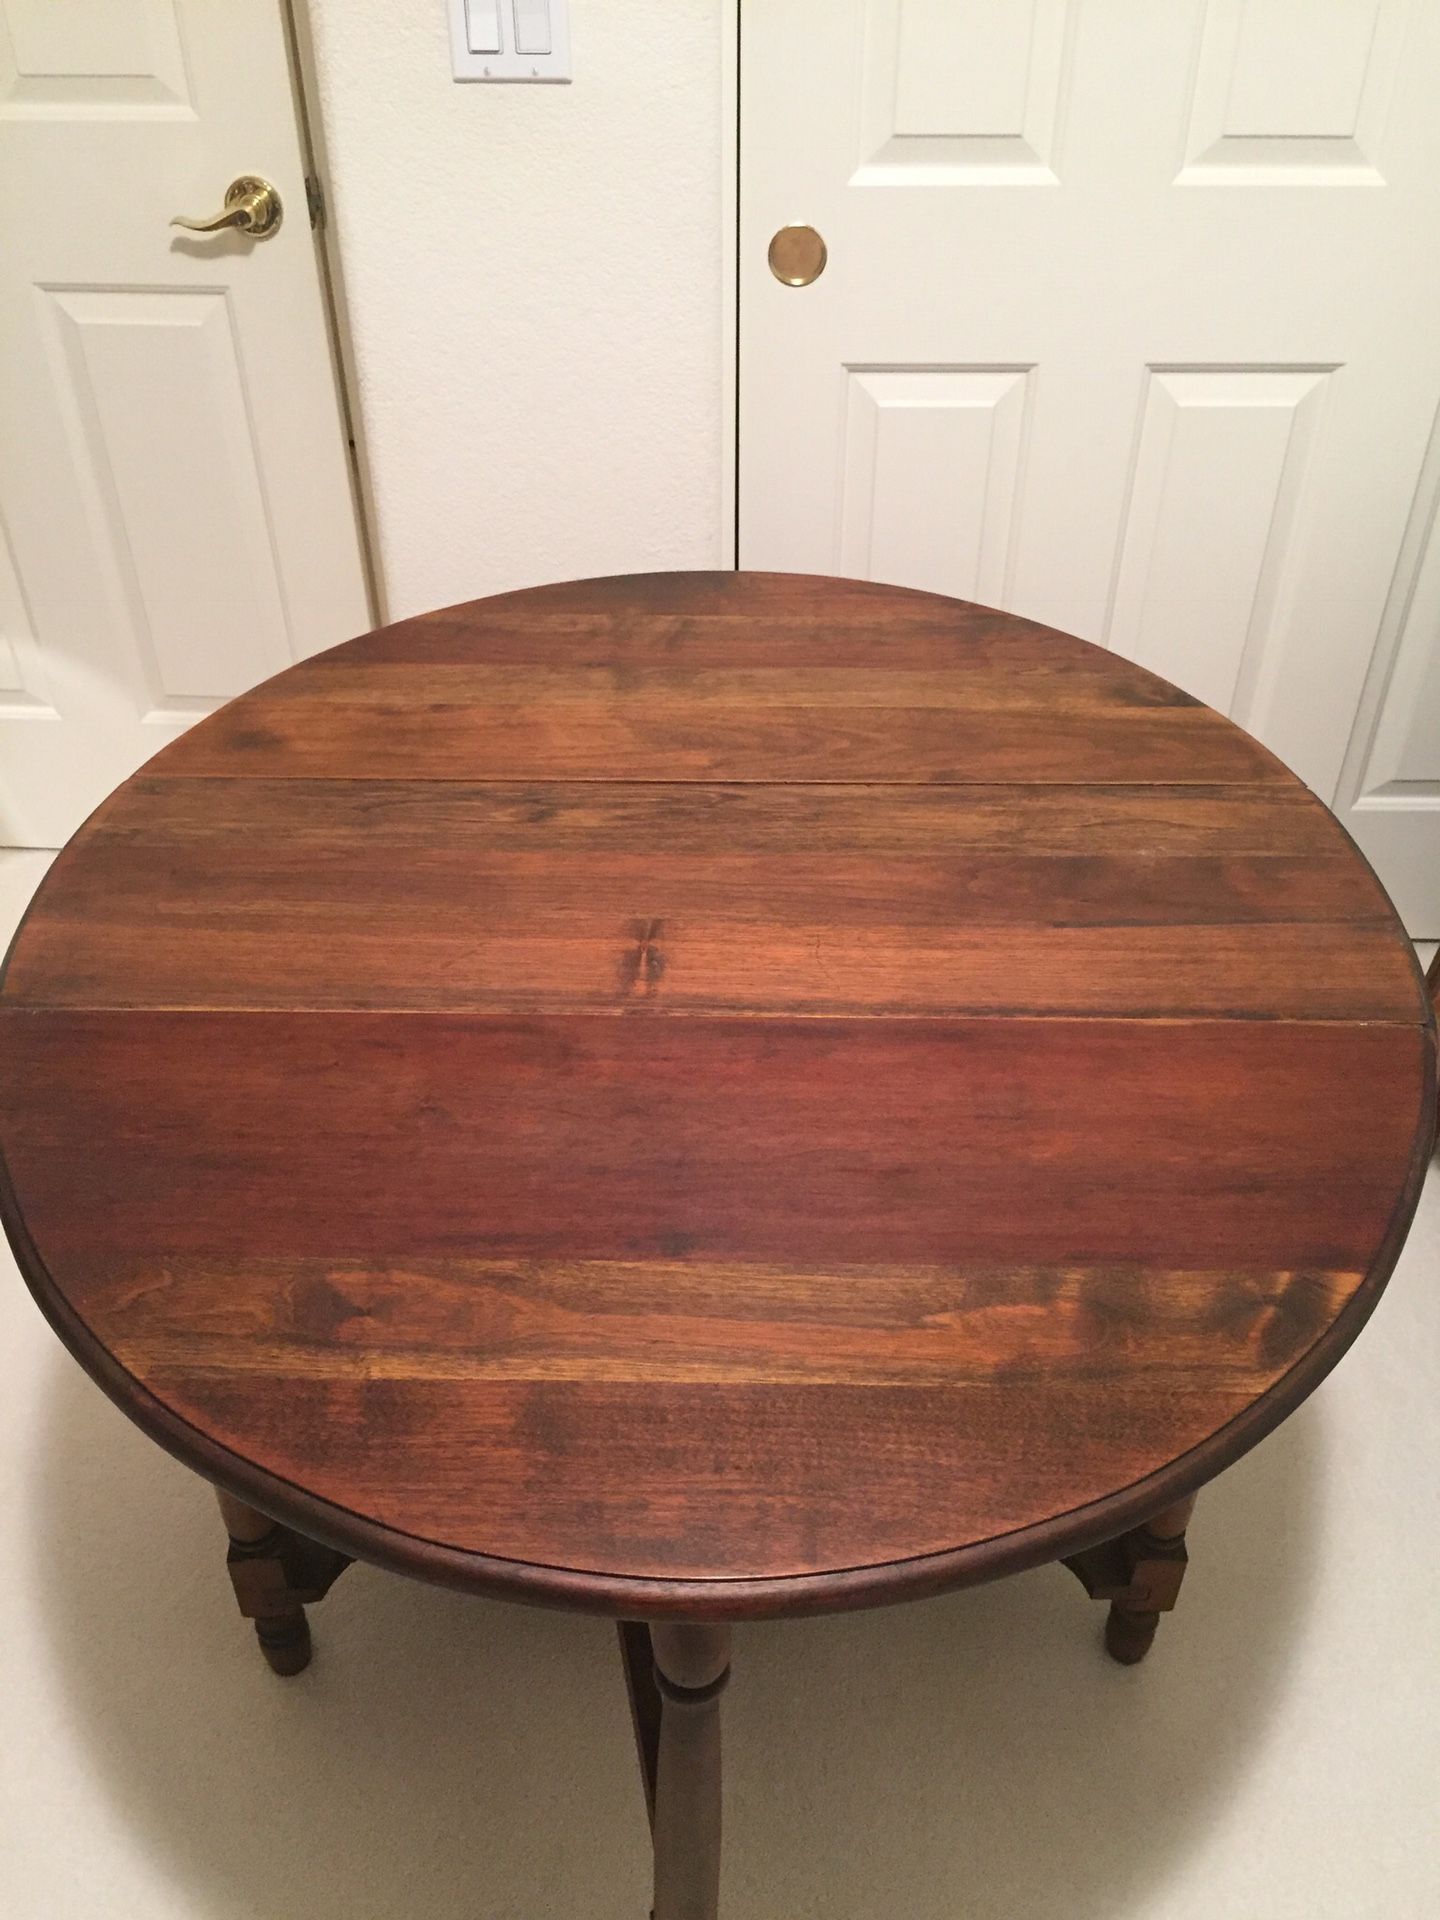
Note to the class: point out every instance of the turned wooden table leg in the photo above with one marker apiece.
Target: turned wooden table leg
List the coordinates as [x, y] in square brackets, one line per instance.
[281, 1627]
[275, 1573]
[692, 1665]
[1139, 1574]
[1157, 1566]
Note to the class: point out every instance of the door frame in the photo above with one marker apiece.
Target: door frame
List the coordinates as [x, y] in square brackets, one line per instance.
[728, 503]
[305, 93]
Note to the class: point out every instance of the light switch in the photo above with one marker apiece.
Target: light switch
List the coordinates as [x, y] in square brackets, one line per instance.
[482, 26]
[506, 40]
[532, 26]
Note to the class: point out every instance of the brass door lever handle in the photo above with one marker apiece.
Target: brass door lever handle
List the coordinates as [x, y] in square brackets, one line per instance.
[251, 206]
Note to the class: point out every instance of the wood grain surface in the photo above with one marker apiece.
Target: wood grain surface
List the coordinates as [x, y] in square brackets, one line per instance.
[711, 1094]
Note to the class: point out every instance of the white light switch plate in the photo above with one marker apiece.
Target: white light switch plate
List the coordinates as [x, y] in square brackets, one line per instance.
[481, 23]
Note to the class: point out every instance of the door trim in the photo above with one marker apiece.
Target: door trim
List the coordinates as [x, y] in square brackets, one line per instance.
[729, 497]
[305, 89]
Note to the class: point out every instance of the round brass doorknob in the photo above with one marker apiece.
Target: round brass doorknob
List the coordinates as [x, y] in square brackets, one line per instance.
[797, 256]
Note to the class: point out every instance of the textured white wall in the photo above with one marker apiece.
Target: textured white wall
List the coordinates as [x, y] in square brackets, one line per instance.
[532, 276]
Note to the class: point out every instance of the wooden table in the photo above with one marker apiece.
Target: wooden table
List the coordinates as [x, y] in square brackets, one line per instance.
[703, 1096]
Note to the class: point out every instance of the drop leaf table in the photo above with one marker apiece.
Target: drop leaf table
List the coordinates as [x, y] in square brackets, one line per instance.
[704, 1096]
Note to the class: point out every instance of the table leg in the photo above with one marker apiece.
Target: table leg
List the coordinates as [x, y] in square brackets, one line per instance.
[275, 1573]
[1157, 1559]
[692, 1665]
[1432, 981]
[637, 1656]
[1140, 1575]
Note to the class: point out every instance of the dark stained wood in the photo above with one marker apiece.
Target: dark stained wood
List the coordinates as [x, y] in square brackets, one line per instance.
[637, 1658]
[1157, 1560]
[275, 1573]
[721, 678]
[770, 899]
[710, 1096]
[456, 725]
[692, 1666]
[1140, 1574]
[1432, 983]
[245, 1525]
[592, 1233]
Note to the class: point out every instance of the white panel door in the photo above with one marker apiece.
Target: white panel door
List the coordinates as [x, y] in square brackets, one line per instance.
[1130, 323]
[176, 519]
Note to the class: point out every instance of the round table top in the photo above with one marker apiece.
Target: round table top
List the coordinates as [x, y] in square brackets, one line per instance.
[711, 1094]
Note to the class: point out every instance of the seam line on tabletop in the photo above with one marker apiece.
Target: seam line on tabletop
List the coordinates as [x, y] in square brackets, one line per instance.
[710, 779]
[602, 1010]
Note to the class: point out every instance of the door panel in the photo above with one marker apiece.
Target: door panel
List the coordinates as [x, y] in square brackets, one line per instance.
[181, 524]
[1390, 790]
[106, 57]
[1219, 474]
[956, 92]
[153, 390]
[931, 460]
[1127, 324]
[1289, 92]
